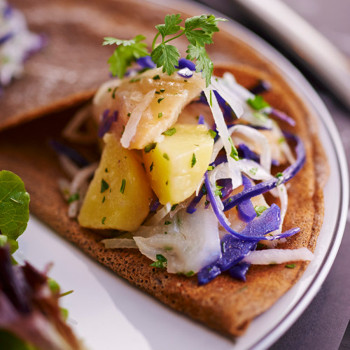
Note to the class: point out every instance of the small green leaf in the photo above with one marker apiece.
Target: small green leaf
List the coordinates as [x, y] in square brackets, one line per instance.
[170, 26]
[203, 62]
[14, 205]
[150, 146]
[193, 160]
[257, 102]
[166, 56]
[126, 52]
[169, 132]
[259, 209]
[122, 187]
[290, 266]
[74, 197]
[212, 133]
[104, 186]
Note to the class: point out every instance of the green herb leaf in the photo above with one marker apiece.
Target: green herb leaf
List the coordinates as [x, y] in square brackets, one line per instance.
[193, 160]
[169, 132]
[14, 207]
[150, 146]
[170, 26]
[160, 262]
[74, 197]
[160, 115]
[104, 186]
[217, 191]
[122, 187]
[212, 133]
[203, 62]
[290, 266]
[165, 155]
[127, 52]
[259, 209]
[234, 152]
[103, 220]
[166, 56]
[257, 102]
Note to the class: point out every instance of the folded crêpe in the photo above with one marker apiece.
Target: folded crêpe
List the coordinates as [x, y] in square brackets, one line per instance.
[68, 71]
[224, 304]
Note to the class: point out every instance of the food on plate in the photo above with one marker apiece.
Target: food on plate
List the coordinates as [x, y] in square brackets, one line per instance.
[30, 315]
[208, 173]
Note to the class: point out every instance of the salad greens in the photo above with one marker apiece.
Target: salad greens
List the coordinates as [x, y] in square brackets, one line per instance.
[198, 30]
[14, 208]
[30, 316]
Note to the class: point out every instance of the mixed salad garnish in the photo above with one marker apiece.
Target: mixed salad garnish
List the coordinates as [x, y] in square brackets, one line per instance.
[187, 160]
[30, 315]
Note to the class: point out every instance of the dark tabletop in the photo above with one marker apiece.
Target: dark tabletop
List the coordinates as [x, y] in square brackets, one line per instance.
[323, 324]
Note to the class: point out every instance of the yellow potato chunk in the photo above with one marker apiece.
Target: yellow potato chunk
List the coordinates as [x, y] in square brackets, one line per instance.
[119, 194]
[177, 163]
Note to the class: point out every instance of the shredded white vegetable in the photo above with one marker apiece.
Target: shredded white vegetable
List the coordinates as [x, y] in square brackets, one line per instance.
[278, 256]
[135, 117]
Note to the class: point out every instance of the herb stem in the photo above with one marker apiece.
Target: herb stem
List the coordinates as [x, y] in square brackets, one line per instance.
[173, 38]
[154, 40]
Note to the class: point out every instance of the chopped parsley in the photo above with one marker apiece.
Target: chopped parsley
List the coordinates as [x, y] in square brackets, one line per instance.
[122, 187]
[189, 273]
[193, 160]
[234, 152]
[253, 171]
[103, 199]
[104, 186]
[174, 207]
[167, 222]
[156, 77]
[217, 191]
[169, 132]
[290, 266]
[160, 115]
[281, 140]
[151, 167]
[134, 80]
[259, 209]
[211, 98]
[161, 90]
[210, 167]
[113, 93]
[150, 146]
[106, 170]
[160, 100]
[161, 262]
[257, 102]
[165, 155]
[129, 114]
[212, 133]
[74, 197]
[103, 220]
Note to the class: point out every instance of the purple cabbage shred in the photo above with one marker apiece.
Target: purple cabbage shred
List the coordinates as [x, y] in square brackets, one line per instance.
[246, 211]
[106, 122]
[71, 153]
[260, 87]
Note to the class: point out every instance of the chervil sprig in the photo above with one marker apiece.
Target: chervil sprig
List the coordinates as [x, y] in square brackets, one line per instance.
[127, 52]
[198, 30]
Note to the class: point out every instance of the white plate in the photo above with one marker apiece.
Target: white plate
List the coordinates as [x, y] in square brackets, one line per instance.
[108, 313]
